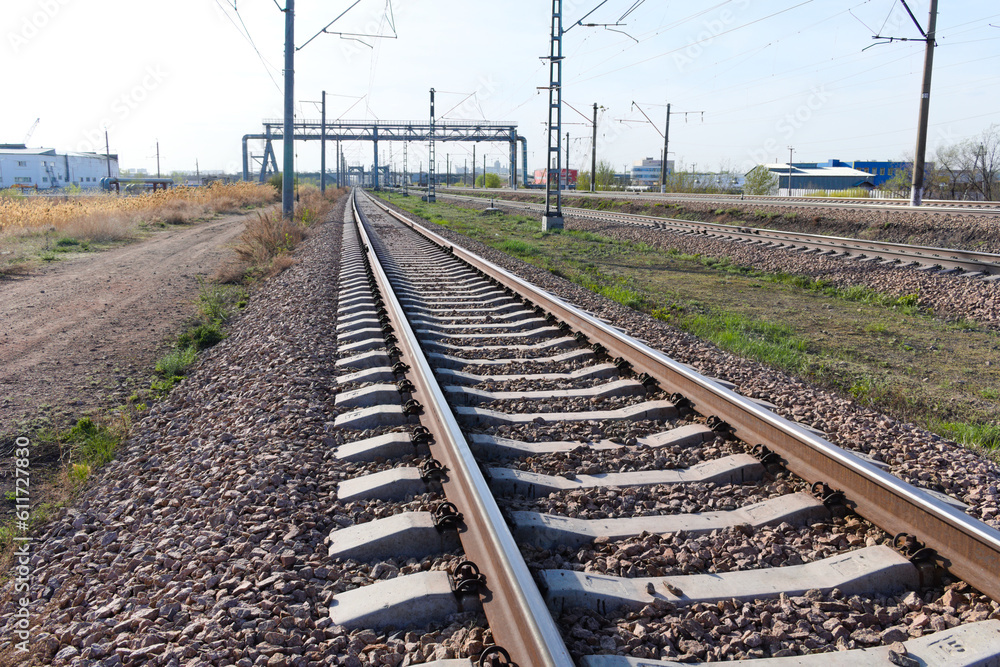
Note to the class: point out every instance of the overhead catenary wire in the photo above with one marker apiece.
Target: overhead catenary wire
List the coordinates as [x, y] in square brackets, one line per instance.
[697, 41]
[246, 34]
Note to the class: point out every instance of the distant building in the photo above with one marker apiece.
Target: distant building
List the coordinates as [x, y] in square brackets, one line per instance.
[567, 177]
[713, 181]
[43, 168]
[880, 171]
[647, 171]
[809, 176]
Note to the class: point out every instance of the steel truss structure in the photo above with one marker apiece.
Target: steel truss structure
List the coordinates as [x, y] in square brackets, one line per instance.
[376, 131]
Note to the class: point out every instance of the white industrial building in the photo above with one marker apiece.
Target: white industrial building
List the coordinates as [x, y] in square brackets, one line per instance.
[44, 168]
[647, 172]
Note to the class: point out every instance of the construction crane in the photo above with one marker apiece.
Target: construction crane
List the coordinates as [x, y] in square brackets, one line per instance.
[31, 131]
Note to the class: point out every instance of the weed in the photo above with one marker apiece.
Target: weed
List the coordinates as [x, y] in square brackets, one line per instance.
[176, 362]
[876, 328]
[215, 301]
[201, 337]
[160, 388]
[78, 473]
[518, 248]
[92, 443]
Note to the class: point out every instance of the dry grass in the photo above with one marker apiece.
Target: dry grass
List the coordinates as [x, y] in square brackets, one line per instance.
[112, 217]
[267, 241]
[99, 226]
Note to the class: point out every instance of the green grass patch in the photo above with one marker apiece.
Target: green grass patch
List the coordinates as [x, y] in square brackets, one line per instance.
[177, 361]
[976, 436]
[201, 336]
[990, 394]
[518, 248]
[91, 443]
[772, 344]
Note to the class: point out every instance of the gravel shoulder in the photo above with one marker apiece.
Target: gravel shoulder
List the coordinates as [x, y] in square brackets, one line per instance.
[76, 333]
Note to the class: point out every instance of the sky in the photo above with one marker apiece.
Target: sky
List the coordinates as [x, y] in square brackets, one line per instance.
[754, 77]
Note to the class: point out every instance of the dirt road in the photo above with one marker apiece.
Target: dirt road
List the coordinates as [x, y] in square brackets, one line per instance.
[73, 333]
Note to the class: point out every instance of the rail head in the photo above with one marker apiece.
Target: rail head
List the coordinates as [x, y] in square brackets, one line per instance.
[968, 547]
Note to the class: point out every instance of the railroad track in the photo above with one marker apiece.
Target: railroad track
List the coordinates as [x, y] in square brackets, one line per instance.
[963, 262]
[927, 206]
[568, 465]
[932, 205]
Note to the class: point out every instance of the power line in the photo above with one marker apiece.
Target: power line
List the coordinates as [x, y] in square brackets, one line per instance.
[246, 34]
[631, 9]
[697, 41]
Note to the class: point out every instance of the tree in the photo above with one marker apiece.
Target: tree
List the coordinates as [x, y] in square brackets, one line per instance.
[968, 169]
[760, 181]
[984, 154]
[490, 180]
[902, 179]
[583, 181]
[605, 175]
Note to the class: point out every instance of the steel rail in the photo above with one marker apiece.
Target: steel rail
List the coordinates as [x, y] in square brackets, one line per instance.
[947, 258]
[519, 619]
[967, 547]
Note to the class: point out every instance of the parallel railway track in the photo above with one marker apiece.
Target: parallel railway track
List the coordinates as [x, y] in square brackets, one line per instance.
[937, 206]
[533, 384]
[974, 264]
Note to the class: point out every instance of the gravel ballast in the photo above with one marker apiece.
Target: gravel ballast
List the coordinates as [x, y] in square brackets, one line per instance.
[203, 543]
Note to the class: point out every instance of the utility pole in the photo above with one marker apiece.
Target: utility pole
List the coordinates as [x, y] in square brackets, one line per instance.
[157, 158]
[430, 157]
[593, 154]
[666, 144]
[553, 218]
[917, 190]
[288, 132]
[465, 173]
[666, 137]
[107, 153]
[484, 172]
[790, 149]
[338, 162]
[197, 172]
[474, 166]
[567, 163]
[447, 167]
[322, 146]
